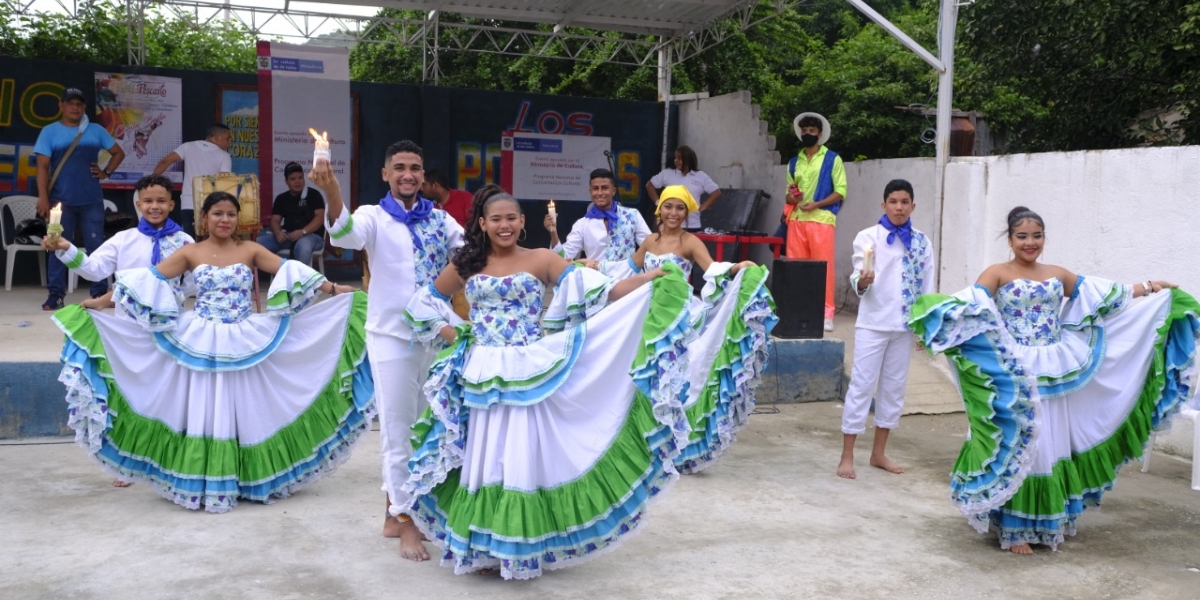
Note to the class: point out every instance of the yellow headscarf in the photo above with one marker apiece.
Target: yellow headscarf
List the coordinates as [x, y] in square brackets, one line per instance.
[678, 192]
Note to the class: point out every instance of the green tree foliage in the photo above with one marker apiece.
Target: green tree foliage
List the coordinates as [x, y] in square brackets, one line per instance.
[100, 38]
[1074, 74]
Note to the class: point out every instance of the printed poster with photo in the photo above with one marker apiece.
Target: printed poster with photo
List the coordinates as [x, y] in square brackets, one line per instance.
[144, 114]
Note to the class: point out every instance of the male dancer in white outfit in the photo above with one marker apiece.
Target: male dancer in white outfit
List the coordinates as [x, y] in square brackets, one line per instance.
[902, 271]
[408, 242]
[608, 232]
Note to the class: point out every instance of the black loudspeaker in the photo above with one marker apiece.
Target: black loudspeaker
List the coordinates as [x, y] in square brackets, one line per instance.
[799, 290]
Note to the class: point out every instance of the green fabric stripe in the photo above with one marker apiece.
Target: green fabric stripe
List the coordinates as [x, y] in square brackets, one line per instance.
[346, 229]
[76, 260]
[921, 308]
[282, 298]
[671, 296]
[1046, 496]
[977, 392]
[519, 514]
[201, 456]
[1098, 465]
[731, 351]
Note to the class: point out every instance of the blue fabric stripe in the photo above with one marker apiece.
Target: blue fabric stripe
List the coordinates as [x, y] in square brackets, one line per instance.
[1058, 387]
[216, 363]
[538, 393]
[198, 486]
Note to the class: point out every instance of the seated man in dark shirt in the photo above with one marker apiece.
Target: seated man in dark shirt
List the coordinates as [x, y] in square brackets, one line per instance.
[296, 218]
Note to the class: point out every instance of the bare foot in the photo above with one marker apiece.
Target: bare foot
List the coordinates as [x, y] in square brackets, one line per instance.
[411, 547]
[846, 468]
[391, 527]
[1020, 549]
[886, 464]
[121, 484]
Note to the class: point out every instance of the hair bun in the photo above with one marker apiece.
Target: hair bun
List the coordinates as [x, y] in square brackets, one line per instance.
[1016, 211]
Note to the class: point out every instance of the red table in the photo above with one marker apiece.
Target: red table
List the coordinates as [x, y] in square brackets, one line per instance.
[720, 239]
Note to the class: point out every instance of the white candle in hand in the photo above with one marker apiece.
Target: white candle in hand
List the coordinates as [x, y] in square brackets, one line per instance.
[868, 259]
[550, 208]
[321, 145]
[56, 214]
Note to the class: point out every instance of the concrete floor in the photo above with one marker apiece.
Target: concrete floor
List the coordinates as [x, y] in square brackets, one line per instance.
[772, 520]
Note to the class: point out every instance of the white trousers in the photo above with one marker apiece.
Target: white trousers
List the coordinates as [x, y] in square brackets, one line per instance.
[880, 369]
[399, 368]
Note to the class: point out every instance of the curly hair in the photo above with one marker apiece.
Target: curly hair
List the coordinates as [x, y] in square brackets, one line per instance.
[472, 257]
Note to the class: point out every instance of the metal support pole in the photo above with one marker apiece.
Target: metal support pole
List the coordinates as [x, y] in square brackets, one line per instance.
[947, 23]
[135, 32]
[664, 92]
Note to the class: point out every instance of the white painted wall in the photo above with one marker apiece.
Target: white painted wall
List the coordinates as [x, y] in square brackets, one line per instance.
[1127, 215]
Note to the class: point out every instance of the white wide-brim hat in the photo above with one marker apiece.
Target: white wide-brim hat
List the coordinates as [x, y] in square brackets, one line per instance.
[821, 139]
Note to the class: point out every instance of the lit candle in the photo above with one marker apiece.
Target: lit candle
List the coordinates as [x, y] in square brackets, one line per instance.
[550, 208]
[321, 147]
[54, 228]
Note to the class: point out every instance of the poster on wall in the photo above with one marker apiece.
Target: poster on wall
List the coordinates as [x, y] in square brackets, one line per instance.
[550, 167]
[238, 110]
[144, 114]
[302, 88]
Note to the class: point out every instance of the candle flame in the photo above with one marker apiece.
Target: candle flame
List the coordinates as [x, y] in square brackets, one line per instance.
[321, 137]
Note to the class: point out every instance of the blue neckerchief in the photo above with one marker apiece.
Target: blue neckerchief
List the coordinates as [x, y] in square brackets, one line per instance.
[157, 235]
[421, 210]
[904, 232]
[610, 216]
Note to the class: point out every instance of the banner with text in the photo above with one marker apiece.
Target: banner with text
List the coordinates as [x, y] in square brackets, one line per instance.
[301, 87]
[144, 114]
[550, 167]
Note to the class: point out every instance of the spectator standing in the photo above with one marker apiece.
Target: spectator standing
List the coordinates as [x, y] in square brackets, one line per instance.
[208, 156]
[687, 174]
[67, 175]
[816, 188]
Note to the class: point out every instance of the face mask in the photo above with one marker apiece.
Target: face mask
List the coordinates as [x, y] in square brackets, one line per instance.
[808, 139]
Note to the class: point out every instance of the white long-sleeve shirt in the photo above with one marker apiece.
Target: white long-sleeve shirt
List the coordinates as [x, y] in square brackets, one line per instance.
[885, 304]
[398, 268]
[591, 237]
[129, 249]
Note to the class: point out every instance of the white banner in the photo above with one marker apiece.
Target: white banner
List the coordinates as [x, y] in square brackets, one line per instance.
[310, 88]
[551, 167]
[144, 114]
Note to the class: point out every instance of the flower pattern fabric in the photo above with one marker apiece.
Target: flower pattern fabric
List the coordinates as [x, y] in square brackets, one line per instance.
[622, 242]
[912, 281]
[1030, 310]
[223, 293]
[433, 254]
[654, 261]
[505, 311]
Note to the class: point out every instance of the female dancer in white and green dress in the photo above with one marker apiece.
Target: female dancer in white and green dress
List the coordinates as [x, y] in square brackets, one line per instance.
[728, 357]
[1058, 395]
[542, 450]
[218, 404]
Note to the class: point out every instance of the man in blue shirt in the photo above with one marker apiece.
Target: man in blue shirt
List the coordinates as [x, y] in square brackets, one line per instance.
[76, 188]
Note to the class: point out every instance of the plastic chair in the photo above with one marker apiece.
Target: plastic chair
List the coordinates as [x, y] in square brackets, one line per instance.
[1184, 413]
[18, 208]
[73, 280]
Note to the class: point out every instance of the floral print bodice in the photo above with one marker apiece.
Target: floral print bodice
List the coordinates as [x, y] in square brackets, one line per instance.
[912, 280]
[654, 261]
[622, 242]
[434, 252]
[505, 311]
[223, 293]
[1030, 310]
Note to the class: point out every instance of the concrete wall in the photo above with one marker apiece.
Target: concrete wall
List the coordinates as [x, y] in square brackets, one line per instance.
[1126, 215]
